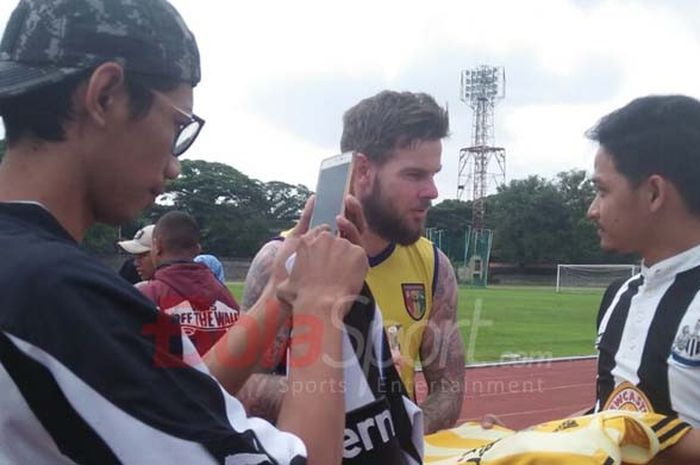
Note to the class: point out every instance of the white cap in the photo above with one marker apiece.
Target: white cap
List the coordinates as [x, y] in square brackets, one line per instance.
[142, 241]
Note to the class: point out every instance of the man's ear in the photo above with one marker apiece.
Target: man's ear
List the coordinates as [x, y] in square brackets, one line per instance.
[657, 192]
[103, 92]
[363, 174]
[156, 249]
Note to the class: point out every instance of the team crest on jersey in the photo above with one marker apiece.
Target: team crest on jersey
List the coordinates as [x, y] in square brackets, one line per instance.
[414, 300]
[630, 398]
[686, 347]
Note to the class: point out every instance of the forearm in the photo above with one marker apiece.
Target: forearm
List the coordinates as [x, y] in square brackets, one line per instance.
[242, 350]
[445, 379]
[313, 407]
[275, 347]
[256, 283]
[439, 411]
[262, 395]
[684, 452]
[442, 354]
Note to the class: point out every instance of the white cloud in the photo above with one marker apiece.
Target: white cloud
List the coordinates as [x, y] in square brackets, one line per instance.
[259, 149]
[583, 58]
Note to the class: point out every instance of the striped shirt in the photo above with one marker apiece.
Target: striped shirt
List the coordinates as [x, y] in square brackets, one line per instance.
[90, 372]
[382, 425]
[649, 340]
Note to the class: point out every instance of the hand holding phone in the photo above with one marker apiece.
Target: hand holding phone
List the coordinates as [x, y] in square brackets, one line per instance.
[332, 187]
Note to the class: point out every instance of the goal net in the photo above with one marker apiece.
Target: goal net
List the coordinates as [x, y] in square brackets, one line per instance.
[578, 277]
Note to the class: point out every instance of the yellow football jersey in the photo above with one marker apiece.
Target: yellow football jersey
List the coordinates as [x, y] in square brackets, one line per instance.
[606, 438]
[402, 279]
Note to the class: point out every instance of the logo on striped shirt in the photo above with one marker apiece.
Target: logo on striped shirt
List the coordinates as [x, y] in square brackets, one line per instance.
[686, 346]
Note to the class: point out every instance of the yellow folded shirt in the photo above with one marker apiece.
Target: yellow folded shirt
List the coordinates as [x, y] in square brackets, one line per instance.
[606, 438]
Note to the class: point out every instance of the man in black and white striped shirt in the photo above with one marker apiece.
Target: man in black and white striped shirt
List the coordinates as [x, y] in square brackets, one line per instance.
[96, 98]
[647, 175]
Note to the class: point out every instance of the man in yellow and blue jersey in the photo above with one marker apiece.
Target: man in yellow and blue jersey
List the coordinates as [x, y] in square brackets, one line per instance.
[396, 138]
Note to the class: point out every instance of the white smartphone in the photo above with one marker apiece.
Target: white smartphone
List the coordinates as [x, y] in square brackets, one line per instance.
[333, 185]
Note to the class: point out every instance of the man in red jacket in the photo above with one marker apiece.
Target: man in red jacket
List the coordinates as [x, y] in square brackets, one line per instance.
[184, 289]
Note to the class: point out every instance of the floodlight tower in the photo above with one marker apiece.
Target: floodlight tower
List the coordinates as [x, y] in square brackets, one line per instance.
[480, 88]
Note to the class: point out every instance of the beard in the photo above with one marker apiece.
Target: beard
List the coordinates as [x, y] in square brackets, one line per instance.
[384, 220]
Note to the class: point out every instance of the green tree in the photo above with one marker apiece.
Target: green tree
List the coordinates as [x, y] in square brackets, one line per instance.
[230, 208]
[453, 217]
[285, 203]
[577, 192]
[530, 222]
[205, 185]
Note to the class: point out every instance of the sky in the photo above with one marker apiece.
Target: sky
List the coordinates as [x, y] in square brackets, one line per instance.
[278, 75]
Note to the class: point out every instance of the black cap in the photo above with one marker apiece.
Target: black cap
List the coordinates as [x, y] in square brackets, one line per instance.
[47, 40]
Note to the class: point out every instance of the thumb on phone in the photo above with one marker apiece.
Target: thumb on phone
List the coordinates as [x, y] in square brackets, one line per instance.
[302, 225]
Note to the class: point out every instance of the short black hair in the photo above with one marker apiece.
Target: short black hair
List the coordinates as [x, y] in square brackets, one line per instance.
[658, 134]
[43, 112]
[177, 232]
[378, 125]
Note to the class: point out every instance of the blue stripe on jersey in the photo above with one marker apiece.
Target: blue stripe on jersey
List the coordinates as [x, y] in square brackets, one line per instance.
[685, 361]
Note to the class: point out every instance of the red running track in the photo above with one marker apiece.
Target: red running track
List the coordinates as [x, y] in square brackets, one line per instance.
[526, 394]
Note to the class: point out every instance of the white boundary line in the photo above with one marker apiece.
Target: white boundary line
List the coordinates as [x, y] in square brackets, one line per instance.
[531, 361]
[525, 361]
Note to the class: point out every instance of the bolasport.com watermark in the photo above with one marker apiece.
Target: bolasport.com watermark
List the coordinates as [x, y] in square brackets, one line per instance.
[257, 337]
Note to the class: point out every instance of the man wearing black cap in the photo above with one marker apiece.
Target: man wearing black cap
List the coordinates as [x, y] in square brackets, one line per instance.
[96, 99]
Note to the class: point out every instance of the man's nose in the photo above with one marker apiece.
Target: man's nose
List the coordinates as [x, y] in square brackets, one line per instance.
[592, 212]
[430, 191]
[173, 169]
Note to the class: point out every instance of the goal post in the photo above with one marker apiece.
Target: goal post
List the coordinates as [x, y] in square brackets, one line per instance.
[571, 277]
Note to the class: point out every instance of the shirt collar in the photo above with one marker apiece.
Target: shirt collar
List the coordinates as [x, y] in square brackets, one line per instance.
[35, 214]
[382, 256]
[29, 202]
[673, 265]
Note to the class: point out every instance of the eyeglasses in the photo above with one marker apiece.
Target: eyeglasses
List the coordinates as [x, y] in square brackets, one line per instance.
[187, 132]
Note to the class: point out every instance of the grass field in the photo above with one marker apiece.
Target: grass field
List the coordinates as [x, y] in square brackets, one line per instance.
[532, 322]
